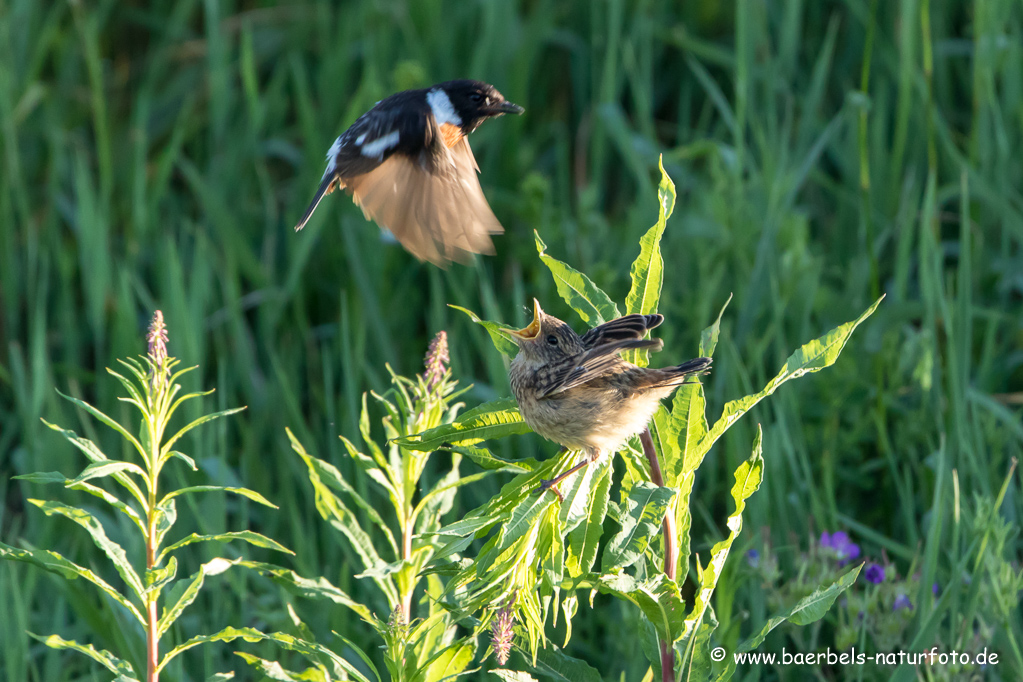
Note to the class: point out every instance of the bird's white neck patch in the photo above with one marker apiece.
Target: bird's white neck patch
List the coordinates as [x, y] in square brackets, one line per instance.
[442, 108]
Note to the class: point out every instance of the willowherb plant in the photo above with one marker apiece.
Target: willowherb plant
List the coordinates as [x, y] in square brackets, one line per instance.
[420, 641]
[544, 551]
[152, 386]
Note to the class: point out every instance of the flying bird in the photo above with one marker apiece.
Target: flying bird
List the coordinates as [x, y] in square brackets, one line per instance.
[407, 163]
[578, 391]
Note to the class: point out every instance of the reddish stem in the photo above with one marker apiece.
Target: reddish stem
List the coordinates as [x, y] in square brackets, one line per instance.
[670, 548]
[152, 630]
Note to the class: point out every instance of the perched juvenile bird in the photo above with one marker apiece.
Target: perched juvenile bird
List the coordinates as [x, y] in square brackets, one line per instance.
[407, 163]
[577, 390]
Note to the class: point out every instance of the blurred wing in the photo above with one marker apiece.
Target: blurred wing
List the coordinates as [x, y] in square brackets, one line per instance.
[589, 365]
[433, 204]
[628, 327]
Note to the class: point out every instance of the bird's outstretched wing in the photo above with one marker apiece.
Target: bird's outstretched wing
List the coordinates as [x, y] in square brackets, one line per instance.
[433, 203]
[583, 367]
[627, 327]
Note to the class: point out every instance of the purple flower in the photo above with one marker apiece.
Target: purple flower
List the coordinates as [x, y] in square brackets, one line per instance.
[753, 558]
[902, 602]
[874, 573]
[845, 549]
[934, 589]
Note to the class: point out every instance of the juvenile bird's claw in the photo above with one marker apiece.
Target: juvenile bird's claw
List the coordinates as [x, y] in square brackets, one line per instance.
[551, 485]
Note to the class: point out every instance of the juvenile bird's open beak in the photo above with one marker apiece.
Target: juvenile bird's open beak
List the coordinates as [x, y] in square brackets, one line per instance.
[531, 330]
[504, 108]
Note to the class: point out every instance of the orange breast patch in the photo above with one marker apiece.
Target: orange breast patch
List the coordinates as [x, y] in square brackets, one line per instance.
[451, 134]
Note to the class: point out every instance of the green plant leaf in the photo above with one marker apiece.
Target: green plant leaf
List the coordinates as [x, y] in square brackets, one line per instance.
[709, 336]
[449, 662]
[319, 588]
[116, 426]
[89, 522]
[748, 478]
[57, 477]
[244, 492]
[496, 330]
[275, 671]
[164, 516]
[644, 511]
[184, 458]
[488, 460]
[90, 450]
[248, 536]
[108, 468]
[647, 272]
[168, 445]
[220, 677]
[811, 357]
[582, 295]
[191, 591]
[512, 675]
[321, 471]
[101, 656]
[339, 667]
[553, 663]
[494, 419]
[584, 540]
[160, 577]
[55, 563]
[658, 598]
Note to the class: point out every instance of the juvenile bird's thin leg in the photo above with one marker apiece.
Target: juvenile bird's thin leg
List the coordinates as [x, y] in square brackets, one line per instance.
[591, 456]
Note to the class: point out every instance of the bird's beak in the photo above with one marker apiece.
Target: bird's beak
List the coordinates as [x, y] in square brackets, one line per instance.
[530, 331]
[504, 108]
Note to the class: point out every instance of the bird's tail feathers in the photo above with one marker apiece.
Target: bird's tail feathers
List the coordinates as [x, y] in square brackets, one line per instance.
[326, 187]
[680, 374]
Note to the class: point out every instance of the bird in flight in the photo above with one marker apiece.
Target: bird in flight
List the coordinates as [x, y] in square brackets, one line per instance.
[407, 163]
[580, 393]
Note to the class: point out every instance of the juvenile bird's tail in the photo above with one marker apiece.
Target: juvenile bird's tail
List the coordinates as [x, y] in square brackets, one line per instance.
[695, 366]
[326, 187]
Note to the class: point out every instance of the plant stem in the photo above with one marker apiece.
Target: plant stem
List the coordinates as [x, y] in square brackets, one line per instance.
[152, 629]
[670, 548]
[406, 555]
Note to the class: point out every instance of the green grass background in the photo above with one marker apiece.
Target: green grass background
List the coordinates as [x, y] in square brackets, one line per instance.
[156, 155]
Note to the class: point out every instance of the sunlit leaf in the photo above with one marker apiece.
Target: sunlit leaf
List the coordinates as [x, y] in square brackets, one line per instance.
[275, 671]
[55, 563]
[709, 336]
[647, 272]
[96, 455]
[57, 477]
[168, 445]
[319, 588]
[641, 520]
[90, 523]
[108, 468]
[191, 591]
[495, 419]
[248, 536]
[244, 492]
[658, 598]
[581, 294]
[748, 477]
[101, 656]
[116, 426]
[500, 340]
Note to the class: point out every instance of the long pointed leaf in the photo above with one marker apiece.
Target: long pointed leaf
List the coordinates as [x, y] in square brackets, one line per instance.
[581, 294]
[57, 477]
[96, 455]
[55, 563]
[248, 536]
[89, 522]
[244, 492]
[500, 340]
[101, 656]
[495, 419]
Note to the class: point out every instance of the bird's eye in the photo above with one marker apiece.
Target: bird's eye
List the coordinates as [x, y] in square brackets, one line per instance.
[476, 97]
[552, 339]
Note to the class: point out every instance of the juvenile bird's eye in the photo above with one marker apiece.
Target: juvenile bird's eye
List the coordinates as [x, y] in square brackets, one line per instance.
[476, 97]
[552, 339]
